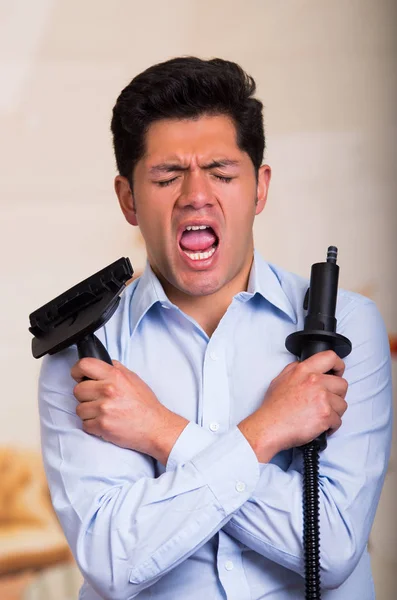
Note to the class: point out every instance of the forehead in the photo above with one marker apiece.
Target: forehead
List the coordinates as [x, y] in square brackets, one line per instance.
[203, 137]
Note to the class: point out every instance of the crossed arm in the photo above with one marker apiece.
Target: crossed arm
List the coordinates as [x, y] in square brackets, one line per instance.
[114, 510]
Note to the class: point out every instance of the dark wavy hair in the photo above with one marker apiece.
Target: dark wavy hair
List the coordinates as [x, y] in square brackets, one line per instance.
[186, 88]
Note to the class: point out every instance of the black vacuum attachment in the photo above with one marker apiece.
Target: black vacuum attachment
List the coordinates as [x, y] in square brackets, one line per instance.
[74, 316]
[319, 334]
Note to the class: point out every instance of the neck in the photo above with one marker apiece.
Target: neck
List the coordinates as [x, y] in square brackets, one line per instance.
[208, 310]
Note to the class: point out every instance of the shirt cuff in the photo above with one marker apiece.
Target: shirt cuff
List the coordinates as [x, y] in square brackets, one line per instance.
[191, 441]
[230, 468]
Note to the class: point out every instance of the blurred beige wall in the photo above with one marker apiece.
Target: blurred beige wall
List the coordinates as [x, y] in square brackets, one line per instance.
[326, 72]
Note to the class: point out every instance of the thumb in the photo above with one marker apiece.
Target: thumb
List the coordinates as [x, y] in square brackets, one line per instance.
[123, 369]
[118, 365]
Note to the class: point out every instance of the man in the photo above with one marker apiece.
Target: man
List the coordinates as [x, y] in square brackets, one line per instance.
[173, 472]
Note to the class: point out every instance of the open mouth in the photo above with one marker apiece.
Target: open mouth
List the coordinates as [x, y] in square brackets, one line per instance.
[199, 242]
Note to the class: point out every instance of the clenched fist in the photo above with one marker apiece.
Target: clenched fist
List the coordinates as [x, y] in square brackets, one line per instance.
[118, 406]
[301, 403]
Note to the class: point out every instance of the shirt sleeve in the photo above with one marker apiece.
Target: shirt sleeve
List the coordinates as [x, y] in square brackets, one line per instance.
[352, 467]
[127, 528]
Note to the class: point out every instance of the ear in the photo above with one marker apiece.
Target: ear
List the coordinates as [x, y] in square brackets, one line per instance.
[264, 175]
[126, 199]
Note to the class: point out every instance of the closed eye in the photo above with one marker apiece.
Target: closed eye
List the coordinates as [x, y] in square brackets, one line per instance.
[166, 182]
[224, 179]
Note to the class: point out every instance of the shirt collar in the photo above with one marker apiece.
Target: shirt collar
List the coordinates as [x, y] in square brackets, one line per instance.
[262, 280]
[148, 292]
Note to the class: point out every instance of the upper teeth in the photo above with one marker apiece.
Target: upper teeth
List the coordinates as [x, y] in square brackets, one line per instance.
[189, 227]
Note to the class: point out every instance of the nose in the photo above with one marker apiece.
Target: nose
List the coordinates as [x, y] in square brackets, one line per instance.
[196, 190]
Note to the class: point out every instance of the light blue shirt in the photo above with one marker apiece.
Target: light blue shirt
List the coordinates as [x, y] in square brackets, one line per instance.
[215, 524]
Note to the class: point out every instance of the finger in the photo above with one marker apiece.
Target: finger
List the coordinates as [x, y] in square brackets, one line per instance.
[123, 369]
[118, 364]
[87, 391]
[335, 422]
[325, 361]
[338, 404]
[93, 368]
[92, 426]
[88, 410]
[335, 385]
[291, 366]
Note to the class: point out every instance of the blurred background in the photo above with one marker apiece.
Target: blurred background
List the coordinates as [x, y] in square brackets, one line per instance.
[327, 75]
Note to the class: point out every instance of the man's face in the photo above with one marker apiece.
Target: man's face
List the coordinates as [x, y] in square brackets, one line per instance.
[193, 175]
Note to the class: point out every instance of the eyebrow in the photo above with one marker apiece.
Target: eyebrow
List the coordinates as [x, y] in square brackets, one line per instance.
[171, 167]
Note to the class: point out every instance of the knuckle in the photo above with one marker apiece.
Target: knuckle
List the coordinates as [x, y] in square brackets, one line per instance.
[322, 399]
[104, 408]
[103, 422]
[326, 412]
[313, 379]
[109, 390]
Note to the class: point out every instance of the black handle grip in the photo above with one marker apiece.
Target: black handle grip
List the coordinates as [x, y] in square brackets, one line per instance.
[92, 347]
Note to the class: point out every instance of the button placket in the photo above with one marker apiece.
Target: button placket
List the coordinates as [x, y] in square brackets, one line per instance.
[216, 399]
[230, 568]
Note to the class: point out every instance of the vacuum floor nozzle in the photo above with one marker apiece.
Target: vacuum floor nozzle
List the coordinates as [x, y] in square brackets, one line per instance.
[79, 311]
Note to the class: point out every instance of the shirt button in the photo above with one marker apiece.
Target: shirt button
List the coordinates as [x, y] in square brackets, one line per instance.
[240, 486]
[214, 426]
[213, 355]
[229, 565]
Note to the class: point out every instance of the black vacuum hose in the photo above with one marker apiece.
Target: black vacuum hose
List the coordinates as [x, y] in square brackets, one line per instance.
[311, 521]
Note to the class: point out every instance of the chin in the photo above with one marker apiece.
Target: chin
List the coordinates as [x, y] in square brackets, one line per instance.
[204, 287]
